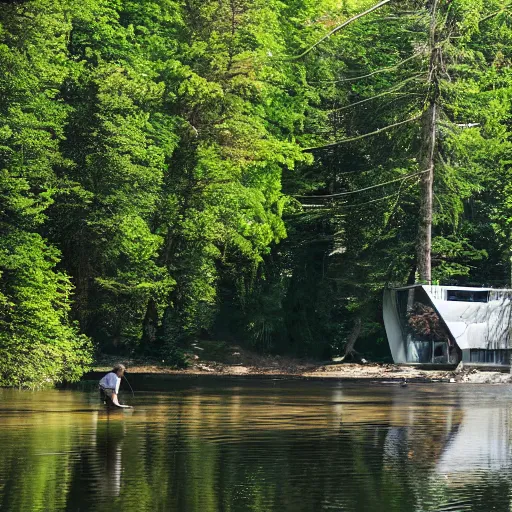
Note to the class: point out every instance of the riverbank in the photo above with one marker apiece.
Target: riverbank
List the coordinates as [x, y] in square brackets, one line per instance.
[275, 366]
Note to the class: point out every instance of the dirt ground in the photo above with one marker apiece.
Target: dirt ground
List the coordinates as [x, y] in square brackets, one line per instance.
[241, 362]
[398, 372]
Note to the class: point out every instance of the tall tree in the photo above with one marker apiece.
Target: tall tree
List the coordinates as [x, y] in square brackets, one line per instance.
[38, 343]
[409, 87]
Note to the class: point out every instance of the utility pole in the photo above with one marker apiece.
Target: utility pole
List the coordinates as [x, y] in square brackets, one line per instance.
[427, 155]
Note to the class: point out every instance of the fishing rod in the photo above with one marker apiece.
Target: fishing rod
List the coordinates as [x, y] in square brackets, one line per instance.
[133, 393]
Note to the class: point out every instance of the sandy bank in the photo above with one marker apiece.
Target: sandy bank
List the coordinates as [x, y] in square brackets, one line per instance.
[272, 366]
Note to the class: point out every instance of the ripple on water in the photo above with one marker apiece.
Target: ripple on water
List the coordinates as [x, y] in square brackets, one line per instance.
[285, 446]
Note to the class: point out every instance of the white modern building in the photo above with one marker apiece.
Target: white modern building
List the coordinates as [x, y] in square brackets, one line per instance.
[471, 324]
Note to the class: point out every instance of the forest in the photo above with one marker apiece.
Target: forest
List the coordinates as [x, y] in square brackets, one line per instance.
[242, 170]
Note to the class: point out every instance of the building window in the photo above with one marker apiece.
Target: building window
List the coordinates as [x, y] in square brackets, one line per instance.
[489, 356]
[468, 295]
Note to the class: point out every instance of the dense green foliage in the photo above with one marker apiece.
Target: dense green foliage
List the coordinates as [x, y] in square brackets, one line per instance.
[345, 247]
[38, 343]
[153, 153]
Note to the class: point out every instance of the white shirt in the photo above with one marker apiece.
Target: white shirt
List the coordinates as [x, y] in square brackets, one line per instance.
[111, 381]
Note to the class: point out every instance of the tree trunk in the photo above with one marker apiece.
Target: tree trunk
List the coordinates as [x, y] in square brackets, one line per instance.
[354, 334]
[427, 160]
[424, 247]
[150, 324]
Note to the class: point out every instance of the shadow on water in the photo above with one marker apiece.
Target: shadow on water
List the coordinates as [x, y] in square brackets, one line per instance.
[218, 445]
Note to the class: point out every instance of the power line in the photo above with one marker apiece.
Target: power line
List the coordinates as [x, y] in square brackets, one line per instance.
[381, 70]
[339, 27]
[369, 202]
[379, 95]
[349, 192]
[364, 135]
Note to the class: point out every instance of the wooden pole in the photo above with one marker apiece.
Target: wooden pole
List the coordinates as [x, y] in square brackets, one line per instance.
[427, 158]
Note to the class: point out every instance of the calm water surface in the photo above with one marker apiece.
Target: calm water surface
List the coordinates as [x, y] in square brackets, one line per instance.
[260, 446]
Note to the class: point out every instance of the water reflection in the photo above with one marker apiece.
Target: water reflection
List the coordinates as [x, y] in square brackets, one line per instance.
[286, 446]
[482, 442]
[108, 454]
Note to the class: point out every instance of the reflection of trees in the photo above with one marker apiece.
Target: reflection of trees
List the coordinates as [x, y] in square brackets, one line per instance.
[500, 323]
[496, 316]
[425, 322]
[34, 467]
[35, 452]
[248, 449]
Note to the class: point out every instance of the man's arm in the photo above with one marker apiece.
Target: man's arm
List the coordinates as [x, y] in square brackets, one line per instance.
[116, 392]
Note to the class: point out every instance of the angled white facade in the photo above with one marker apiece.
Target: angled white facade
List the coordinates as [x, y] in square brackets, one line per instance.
[478, 323]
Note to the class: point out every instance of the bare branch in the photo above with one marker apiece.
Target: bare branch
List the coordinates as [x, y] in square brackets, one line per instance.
[493, 14]
[394, 208]
[343, 25]
[376, 132]
[451, 125]
[315, 206]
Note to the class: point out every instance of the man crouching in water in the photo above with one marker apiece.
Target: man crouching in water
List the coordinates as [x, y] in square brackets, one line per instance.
[109, 385]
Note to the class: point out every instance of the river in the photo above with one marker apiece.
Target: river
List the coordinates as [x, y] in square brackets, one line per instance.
[269, 445]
